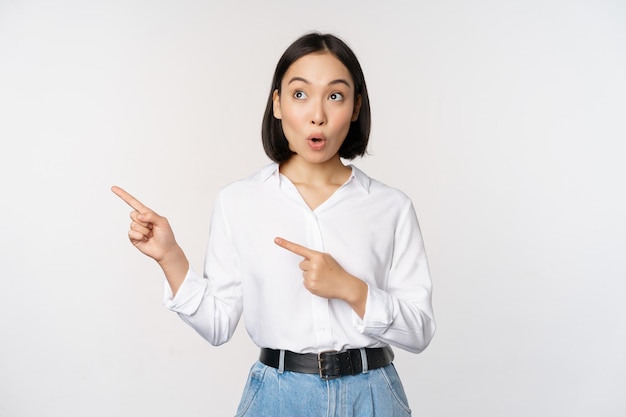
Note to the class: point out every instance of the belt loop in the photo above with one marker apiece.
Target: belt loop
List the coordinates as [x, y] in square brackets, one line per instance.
[364, 360]
[281, 362]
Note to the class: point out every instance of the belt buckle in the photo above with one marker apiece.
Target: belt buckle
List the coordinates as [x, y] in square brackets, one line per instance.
[321, 357]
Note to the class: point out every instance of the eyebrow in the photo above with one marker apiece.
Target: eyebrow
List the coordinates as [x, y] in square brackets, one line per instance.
[333, 82]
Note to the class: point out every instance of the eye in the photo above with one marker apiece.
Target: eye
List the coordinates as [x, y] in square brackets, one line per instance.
[336, 97]
[300, 95]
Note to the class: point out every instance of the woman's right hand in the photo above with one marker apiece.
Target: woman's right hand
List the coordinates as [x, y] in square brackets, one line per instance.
[153, 236]
[149, 232]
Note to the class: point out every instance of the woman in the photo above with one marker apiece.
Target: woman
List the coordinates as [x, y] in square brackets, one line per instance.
[328, 264]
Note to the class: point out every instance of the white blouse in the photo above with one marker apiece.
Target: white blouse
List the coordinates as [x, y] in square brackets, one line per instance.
[369, 228]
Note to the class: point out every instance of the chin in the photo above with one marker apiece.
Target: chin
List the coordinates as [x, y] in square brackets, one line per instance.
[317, 159]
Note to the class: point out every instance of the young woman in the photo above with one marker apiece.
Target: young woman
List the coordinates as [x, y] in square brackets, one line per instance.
[328, 264]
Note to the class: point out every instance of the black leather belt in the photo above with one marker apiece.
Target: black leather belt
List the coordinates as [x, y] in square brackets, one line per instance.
[330, 364]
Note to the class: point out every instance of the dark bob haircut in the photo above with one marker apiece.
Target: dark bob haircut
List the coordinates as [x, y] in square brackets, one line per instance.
[355, 144]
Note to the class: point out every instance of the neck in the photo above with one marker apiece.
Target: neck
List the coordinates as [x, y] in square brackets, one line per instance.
[299, 170]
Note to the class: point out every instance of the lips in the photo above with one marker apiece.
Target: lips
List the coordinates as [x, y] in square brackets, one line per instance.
[316, 141]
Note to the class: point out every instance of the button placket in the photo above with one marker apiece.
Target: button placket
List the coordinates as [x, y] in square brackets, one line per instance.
[319, 306]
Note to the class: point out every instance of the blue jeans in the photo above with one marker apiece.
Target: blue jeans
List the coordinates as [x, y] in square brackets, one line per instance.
[269, 393]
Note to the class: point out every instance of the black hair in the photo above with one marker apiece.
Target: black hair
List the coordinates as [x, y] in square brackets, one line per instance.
[274, 142]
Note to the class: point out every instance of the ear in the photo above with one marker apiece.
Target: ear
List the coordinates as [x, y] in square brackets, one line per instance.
[357, 108]
[276, 108]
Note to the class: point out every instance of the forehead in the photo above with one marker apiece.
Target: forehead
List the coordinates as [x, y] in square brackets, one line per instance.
[318, 68]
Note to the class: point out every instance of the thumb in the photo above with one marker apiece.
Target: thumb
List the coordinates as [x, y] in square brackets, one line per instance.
[150, 217]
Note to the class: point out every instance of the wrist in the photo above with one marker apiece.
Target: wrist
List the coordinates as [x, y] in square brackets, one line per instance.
[175, 266]
[173, 259]
[356, 295]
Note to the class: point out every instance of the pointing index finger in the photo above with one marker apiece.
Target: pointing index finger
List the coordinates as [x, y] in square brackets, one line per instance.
[294, 247]
[129, 199]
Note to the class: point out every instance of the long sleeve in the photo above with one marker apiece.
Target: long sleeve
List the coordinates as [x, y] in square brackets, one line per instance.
[212, 304]
[401, 312]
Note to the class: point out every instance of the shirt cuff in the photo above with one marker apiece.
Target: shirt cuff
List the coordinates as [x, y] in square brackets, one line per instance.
[189, 295]
[378, 313]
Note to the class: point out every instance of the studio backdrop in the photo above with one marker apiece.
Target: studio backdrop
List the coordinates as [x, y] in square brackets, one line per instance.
[502, 121]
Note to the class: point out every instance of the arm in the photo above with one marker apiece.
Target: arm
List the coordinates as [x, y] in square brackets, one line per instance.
[400, 313]
[211, 304]
[324, 277]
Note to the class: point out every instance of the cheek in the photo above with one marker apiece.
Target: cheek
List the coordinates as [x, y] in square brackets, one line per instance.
[291, 115]
[345, 116]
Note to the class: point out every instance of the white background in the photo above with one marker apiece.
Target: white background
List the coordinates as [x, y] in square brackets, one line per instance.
[504, 122]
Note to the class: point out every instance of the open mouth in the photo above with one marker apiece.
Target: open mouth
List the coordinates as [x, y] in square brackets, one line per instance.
[317, 144]
[317, 141]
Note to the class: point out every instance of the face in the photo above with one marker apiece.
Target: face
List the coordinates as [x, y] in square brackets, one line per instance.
[316, 106]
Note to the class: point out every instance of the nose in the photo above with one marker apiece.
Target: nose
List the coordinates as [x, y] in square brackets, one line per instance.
[318, 113]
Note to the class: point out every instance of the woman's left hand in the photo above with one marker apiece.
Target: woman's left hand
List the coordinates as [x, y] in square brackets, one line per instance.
[324, 277]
